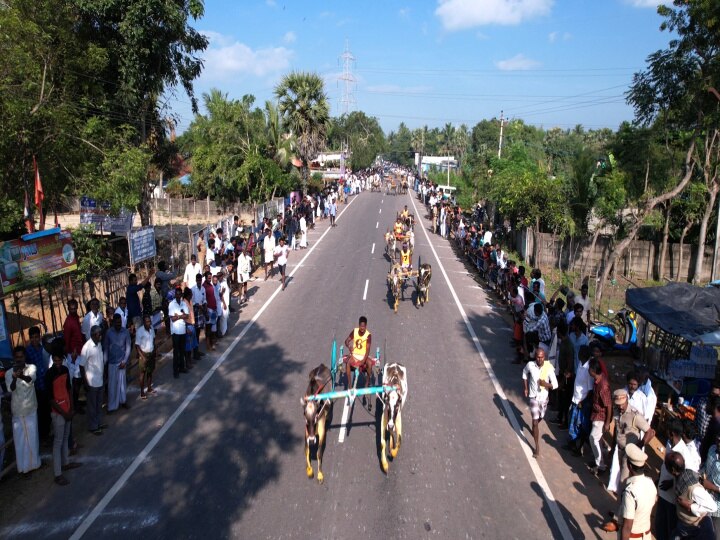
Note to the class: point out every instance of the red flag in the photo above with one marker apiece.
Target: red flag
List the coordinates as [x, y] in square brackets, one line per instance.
[39, 195]
[29, 223]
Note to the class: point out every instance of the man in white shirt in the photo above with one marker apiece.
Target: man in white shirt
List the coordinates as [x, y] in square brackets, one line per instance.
[281, 254]
[178, 314]
[20, 382]
[638, 400]
[269, 252]
[647, 389]
[243, 274]
[93, 361]
[693, 504]
[92, 318]
[199, 301]
[303, 232]
[584, 300]
[192, 269]
[145, 347]
[122, 310]
[538, 378]
[223, 302]
[665, 513]
[584, 383]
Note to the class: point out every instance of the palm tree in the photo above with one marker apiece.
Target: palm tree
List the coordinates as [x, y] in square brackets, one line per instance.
[281, 143]
[447, 137]
[304, 107]
[462, 141]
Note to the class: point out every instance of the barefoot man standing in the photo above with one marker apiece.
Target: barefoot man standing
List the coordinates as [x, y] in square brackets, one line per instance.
[538, 378]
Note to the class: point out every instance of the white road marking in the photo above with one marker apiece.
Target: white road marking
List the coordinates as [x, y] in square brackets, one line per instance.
[145, 452]
[365, 292]
[380, 212]
[539, 476]
[343, 422]
[372, 250]
[377, 224]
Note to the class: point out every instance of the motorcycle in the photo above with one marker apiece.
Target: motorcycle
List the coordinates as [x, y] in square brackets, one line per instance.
[607, 335]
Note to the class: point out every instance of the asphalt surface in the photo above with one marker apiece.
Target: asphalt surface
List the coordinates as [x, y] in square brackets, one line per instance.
[219, 453]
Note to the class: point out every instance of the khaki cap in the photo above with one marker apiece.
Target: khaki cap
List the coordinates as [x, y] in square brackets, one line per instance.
[620, 395]
[635, 456]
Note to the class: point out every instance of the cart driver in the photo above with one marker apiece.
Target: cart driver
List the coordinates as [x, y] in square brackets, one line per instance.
[405, 214]
[358, 343]
[405, 257]
[398, 228]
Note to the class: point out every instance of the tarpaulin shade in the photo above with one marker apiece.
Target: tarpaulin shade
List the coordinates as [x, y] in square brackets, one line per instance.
[680, 309]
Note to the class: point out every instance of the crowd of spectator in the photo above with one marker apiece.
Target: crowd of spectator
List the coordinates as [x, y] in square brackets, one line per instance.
[83, 371]
[564, 368]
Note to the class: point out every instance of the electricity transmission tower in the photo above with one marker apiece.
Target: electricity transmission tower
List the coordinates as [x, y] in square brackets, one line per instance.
[348, 79]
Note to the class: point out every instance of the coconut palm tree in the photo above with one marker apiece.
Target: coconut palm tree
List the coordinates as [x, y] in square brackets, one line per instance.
[462, 141]
[447, 137]
[281, 143]
[305, 110]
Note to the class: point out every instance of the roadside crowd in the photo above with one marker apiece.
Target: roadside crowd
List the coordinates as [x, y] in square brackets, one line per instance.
[563, 367]
[90, 359]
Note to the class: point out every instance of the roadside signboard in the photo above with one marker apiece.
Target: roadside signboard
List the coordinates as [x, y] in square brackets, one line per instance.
[142, 244]
[26, 260]
[98, 214]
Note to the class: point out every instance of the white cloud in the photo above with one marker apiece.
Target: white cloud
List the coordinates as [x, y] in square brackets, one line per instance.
[226, 58]
[270, 3]
[404, 12]
[648, 3]
[462, 14]
[519, 62]
[289, 37]
[554, 36]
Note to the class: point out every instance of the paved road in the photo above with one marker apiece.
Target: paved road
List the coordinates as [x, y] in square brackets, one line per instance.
[220, 452]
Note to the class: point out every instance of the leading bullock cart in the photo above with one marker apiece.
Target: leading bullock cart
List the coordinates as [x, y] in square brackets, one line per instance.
[317, 405]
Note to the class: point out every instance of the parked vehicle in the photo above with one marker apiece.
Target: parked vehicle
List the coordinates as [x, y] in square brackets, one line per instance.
[607, 335]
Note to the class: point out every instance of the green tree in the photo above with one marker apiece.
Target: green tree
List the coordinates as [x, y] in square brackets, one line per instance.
[673, 93]
[281, 143]
[400, 149]
[238, 151]
[306, 113]
[80, 82]
[525, 192]
[363, 135]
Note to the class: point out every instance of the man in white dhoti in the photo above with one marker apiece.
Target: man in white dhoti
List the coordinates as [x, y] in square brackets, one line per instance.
[21, 383]
[303, 232]
[117, 347]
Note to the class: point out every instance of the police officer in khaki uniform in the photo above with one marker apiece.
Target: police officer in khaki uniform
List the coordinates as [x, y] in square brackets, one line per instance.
[629, 425]
[638, 497]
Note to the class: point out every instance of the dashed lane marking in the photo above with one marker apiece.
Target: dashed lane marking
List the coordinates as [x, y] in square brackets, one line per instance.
[143, 455]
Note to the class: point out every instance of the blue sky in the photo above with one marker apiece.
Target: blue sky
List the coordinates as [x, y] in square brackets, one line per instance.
[549, 62]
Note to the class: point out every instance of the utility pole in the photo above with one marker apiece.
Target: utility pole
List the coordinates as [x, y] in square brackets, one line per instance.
[713, 273]
[349, 80]
[502, 124]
